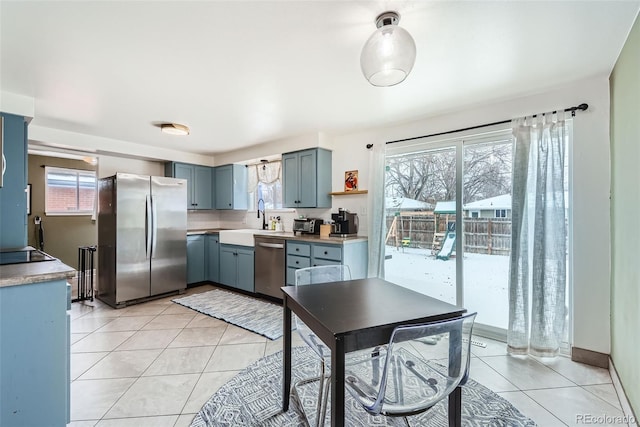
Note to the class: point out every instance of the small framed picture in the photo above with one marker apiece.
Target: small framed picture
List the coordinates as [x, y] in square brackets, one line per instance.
[351, 181]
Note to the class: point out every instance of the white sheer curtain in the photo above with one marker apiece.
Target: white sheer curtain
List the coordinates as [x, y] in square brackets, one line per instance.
[377, 227]
[538, 270]
[269, 175]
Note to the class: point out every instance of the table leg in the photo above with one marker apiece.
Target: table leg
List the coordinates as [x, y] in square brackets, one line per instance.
[286, 355]
[455, 408]
[337, 383]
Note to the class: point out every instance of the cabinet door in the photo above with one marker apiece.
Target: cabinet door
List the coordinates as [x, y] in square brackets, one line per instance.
[240, 197]
[203, 190]
[228, 266]
[224, 187]
[13, 201]
[307, 194]
[245, 270]
[195, 259]
[183, 171]
[290, 180]
[213, 255]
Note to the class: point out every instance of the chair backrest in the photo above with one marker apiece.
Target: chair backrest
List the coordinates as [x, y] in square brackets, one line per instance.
[421, 365]
[322, 274]
[314, 276]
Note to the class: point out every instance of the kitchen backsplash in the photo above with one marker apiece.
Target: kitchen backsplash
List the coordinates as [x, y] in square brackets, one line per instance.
[198, 220]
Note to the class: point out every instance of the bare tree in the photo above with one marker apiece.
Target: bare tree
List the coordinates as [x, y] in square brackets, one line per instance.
[430, 176]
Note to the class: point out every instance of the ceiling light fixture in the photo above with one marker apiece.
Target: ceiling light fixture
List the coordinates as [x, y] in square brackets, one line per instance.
[91, 160]
[388, 56]
[174, 129]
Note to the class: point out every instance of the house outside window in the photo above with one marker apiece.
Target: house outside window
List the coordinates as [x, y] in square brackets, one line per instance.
[501, 213]
[475, 214]
[69, 191]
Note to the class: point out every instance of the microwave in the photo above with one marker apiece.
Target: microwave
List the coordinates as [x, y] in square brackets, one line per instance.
[307, 225]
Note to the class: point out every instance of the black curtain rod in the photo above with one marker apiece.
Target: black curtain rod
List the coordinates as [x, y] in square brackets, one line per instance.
[581, 107]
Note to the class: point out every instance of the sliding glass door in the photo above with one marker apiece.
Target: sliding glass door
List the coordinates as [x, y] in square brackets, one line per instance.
[420, 207]
[452, 248]
[486, 218]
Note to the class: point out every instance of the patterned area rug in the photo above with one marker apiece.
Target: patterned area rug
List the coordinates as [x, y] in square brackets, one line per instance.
[249, 313]
[254, 398]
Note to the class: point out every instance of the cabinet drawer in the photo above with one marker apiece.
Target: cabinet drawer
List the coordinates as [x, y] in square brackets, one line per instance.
[301, 249]
[327, 252]
[318, 262]
[298, 261]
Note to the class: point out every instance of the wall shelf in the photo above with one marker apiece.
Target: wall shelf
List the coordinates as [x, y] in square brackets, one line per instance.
[347, 193]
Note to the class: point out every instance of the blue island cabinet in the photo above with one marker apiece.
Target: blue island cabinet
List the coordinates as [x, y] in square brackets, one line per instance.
[237, 267]
[34, 354]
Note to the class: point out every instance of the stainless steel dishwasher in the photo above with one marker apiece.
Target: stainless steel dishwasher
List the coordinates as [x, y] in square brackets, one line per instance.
[269, 266]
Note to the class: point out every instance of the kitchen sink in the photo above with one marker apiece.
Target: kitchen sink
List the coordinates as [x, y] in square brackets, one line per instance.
[242, 237]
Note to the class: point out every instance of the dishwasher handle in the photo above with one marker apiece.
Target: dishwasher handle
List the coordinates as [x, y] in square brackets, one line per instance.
[271, 245]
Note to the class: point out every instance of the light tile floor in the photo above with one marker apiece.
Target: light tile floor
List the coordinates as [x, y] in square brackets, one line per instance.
[156, 364]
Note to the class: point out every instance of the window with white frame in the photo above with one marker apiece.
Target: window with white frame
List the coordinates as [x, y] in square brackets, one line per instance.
[501, 213]
[69, 191]
[265, 182]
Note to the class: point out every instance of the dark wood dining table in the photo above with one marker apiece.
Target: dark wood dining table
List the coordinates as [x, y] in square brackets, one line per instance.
[354, 315]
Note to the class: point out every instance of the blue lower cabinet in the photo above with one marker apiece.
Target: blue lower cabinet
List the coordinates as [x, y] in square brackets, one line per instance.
[237, 267]
[196, 266]
[303, 254]
[34, 354]
[213, 258]
[246, 270]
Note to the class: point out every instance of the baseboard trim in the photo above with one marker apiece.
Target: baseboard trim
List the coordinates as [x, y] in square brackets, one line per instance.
[632, 420]
[590, 357]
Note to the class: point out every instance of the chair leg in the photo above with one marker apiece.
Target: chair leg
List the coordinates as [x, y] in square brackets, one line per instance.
[323, 394]
[406, 421]
[325, 399]
[319, 406]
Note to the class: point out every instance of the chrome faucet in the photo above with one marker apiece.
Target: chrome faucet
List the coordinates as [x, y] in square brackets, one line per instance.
[264, 219]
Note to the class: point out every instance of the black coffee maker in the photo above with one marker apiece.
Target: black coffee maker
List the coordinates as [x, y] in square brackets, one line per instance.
[346, 223]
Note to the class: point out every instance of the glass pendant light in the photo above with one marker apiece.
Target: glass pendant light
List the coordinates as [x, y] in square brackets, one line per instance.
[388, 56]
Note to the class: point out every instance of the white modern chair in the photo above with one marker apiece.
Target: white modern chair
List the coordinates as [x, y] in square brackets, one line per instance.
[421, 365]
[313, 276]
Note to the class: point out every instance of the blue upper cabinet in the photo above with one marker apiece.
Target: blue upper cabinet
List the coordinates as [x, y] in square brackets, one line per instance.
[307, 178]
[199, 183]
[13, 199]
[231, 187]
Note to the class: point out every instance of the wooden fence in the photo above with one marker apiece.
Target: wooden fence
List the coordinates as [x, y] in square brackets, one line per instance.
[481, 235]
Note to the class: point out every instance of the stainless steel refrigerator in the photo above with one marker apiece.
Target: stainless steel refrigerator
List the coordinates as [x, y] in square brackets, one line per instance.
[142, 237]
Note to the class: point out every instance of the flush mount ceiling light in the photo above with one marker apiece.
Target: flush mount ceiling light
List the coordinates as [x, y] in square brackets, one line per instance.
[388, 56]
[174, 129]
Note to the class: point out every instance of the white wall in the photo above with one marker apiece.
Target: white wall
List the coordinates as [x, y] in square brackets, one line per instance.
[591, 177]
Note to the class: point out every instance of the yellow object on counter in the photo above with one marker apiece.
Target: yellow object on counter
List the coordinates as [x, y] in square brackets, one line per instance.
[325, 229]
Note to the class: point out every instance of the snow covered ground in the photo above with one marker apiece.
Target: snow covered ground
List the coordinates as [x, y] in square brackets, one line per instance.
[485, 280]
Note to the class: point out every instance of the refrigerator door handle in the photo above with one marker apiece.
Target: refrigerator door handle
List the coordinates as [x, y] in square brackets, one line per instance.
[154, 227]
[148, 227]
